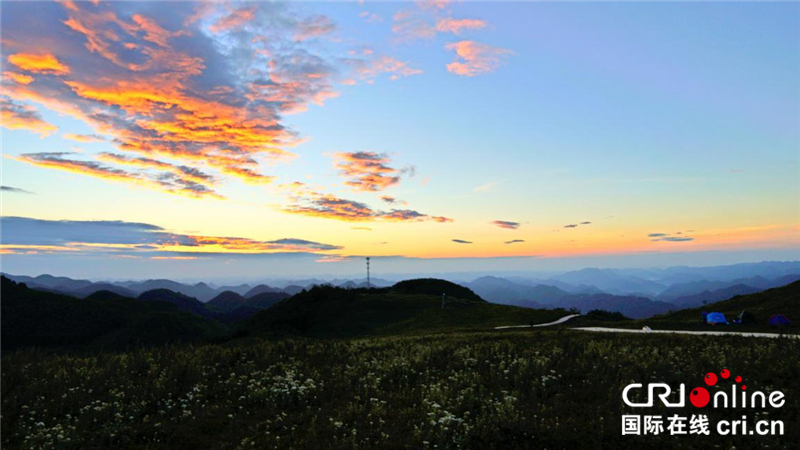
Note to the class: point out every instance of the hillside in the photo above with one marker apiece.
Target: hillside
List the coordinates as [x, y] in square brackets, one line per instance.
[407, 307]
[783, 300]
[102, 320]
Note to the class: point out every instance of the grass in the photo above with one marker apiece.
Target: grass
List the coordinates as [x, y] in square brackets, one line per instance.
[521, 389]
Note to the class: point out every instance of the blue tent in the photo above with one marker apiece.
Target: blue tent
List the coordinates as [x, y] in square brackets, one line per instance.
[778, 319]
[715, 318]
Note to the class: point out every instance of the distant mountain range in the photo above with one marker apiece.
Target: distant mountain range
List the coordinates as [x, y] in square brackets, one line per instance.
[636, 293]
[201, 291]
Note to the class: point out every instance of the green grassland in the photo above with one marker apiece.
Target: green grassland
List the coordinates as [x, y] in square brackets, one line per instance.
[524, 389]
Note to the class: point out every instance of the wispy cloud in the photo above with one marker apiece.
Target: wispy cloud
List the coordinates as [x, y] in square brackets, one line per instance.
[514, 241]
[313, 27]
[461, 241]
[473, 58]
[670, 237]
[84, 138]
[130, 238]
[487, 187]
[170, 181]
[19, 116]
[576, 225]
[456, 26]
[506, 224]
[366, 171]
[329, 206]
[14, 190]
[425, 23]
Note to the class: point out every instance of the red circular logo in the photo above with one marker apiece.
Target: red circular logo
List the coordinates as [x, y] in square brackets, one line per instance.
[699, 397]
[725, 373]
[711, 379]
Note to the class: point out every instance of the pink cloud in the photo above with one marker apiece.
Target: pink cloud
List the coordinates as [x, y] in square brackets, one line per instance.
[473, 58]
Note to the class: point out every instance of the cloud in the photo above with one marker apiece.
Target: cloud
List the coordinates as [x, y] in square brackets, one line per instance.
[189, 173]
[515, 241]
[456, 26]
[487, 187]
[307, 202]
[370, 17]
[18, 77]
[85, 138]
[366, 171]
[169, 181]
[368, 70]
[506, 224]
[575, 225]
[313, 27]
[14, 190]
[426, 23]
[473, 58]
[206, 83]
[38, 63]
[461, 241]
[675, 237]
[19, 116]
[433, 4]
[131, 238]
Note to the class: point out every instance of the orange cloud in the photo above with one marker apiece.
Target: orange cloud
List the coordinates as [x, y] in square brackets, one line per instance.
[18, 77]
[164, 181]
[38, 63]
[85, 138]
[329, 206]
[367, 171]
[188, 173]
[474, 58]
[19, 116]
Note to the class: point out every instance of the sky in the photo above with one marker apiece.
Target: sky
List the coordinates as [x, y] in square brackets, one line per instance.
[216, 140]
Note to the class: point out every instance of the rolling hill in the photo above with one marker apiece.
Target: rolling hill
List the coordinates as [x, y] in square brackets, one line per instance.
[102, 320]
[409, 307]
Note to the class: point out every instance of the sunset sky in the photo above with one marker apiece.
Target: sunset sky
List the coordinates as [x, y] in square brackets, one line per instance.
[181, 139]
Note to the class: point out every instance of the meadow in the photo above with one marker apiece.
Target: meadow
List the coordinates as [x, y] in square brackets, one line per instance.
[514, 389]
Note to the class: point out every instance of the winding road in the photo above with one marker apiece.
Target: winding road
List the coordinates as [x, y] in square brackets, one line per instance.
[649, 331]
[561, 320]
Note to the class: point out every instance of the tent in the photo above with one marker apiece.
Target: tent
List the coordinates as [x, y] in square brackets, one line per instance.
[778, 319]
[745, 318]
[715, 318]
